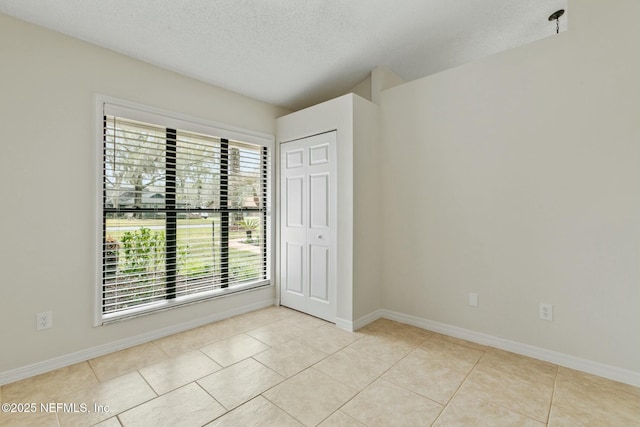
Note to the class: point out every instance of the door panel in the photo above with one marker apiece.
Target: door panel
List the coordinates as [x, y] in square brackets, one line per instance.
[294, 197]
[294, 256]
[319, 200]
[319, 154]
[295, 158]
[308, 220]
[319, 273]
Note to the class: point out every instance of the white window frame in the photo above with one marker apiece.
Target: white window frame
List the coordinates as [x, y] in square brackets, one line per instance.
[118, 107]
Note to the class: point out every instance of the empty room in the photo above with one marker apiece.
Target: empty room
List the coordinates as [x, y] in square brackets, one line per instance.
[320, 213]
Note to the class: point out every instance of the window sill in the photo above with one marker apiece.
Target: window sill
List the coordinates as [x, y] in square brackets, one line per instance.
[160, 306]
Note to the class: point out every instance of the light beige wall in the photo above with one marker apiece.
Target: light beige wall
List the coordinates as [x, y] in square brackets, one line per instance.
[383, 79]
[367, 221]
[518, 177]
[363, 88]
[47, 87]
[378, 80]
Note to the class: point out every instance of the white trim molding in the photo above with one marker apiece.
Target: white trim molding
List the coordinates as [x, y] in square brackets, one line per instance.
[371, 317]
[345, 324]
[18, 374]
[600, 369]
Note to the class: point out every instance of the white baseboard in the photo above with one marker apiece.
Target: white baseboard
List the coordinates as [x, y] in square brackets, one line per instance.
[344, 324]
[365, 320]
[561, 359]
[18, 374]
[600, 369]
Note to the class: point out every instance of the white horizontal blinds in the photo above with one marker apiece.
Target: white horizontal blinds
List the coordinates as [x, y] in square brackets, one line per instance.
[134, 163]
[198, 199]
[246, 199]
[222, 248]
[134, 270]
[185, 214]
[134, 267]
[198, 171]
[198, 256]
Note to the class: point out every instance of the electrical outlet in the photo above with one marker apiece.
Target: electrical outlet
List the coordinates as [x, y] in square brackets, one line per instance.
[546, 311]
[473, 299]
[44, 320]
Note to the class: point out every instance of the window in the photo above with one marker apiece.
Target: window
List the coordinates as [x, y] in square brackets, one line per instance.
[184, 211]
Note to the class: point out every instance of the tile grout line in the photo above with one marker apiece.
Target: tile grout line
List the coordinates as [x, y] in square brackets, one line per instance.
[455, 393]
[320, 372]
[195, 381]
[95, 374]
[168, 358]
[226, 411]
[284, 378]
[444, 406]
[141, 403]
[373, 381]
[158, 347]
[553, 394]
[478, 362]
[282, 409]
[516, 411]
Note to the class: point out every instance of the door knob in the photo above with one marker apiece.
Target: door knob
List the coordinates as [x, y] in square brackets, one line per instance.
[319, 236]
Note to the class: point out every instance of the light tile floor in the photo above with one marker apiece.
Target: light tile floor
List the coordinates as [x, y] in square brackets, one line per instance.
[278, 367]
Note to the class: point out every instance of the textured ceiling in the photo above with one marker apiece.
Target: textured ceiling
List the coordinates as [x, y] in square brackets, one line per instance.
[294, 53]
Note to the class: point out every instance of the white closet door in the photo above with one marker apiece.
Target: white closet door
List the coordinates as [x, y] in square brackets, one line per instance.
[308, 225]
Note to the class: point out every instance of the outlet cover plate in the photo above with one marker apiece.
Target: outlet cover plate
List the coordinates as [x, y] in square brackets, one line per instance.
[546, 311]
[473, 299]
[44, 320]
